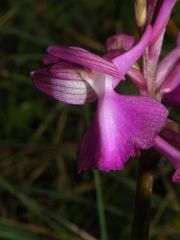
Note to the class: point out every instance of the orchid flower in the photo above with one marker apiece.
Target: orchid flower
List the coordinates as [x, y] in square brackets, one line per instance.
[160, 80]
[122, 125]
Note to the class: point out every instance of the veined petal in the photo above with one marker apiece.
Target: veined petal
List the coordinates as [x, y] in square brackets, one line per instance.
[120, 42]
[124, 61]
[162, 19]
[67, 71]
[64, 90]
[171, 83]
[170, 153]
[170, 62]
[121, 127]
[84, 58]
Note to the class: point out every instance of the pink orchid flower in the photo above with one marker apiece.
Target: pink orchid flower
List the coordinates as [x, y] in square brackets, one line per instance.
[160, 80]
[122, 125]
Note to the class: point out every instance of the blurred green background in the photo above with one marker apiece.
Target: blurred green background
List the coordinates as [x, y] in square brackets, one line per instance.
[41, 194]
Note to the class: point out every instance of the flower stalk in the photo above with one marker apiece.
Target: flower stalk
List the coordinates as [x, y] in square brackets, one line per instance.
[141, 220]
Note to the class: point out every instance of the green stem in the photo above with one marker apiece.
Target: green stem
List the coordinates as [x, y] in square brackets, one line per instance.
[141, 221]
[100, 206]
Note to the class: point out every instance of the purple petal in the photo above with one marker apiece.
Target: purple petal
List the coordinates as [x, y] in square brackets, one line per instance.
[172, 137]
[124, 61]
[170, 62]
[171, 83]
[162, 19]
[121, 127]
[66, 71]
[137, 78]
[170, 153]
[120, 42]
[50, 59]
[84, 58]
[64, 90]
[176, 176]
[112, 54]
[173, 98]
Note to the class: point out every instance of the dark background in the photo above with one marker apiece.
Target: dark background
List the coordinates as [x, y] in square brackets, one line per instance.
[41, 194]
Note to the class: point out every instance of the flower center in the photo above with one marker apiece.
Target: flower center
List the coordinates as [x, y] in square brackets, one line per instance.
[100, 82]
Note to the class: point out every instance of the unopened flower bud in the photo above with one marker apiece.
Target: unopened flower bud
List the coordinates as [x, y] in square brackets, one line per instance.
[140, 12]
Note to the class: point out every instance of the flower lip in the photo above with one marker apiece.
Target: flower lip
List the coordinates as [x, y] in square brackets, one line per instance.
[121, 127]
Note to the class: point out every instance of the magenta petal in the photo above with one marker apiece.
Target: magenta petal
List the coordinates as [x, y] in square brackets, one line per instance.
[50, 59]
[172, 81]
[63, 90]
[172, 137]
[124, 61]
[84, 58]
[121, 127]
[120, 41]
[176, 176]
[170, 62]
[66, 71]
[171, 153]
[137, 78]
[170, 89]
[173, 98]
[162, 19]
[113, 54]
